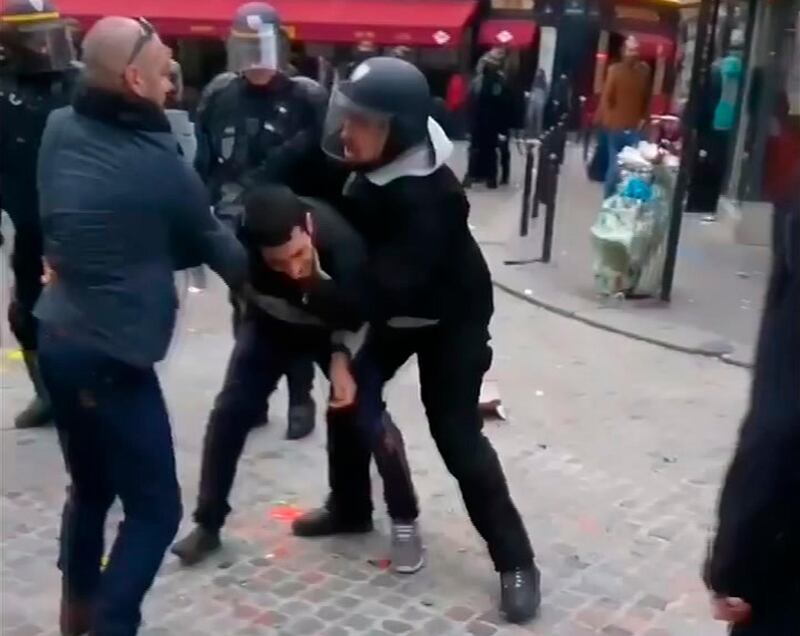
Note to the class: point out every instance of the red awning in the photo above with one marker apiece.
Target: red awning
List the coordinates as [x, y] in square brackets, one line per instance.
[514, 33]
[653, 46]
[436, 23]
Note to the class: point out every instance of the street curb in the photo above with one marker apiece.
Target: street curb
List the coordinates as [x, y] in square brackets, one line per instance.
[597, 324]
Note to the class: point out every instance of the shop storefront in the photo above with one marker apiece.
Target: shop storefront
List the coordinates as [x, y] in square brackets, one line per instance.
[436, 33]
[766, 149]
[575, 41]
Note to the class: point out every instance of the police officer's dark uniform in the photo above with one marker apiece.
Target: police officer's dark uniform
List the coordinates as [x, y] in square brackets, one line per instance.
[282, 317]
[36, 76]
[431, 295]
[249, 134]
[489, 114]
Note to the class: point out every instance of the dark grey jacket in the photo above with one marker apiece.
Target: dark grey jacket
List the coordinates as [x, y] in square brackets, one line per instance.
[121, 211]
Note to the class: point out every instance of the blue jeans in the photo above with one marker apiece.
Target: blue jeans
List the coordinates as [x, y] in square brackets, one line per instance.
[115, 435]
[616, 141]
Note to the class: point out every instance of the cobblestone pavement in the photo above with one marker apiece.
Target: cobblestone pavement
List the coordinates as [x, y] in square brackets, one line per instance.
[613, 449]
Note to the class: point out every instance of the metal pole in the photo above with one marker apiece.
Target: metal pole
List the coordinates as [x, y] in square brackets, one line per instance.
[700, 67]
[527, 188]
[539, 186]
[550, 207]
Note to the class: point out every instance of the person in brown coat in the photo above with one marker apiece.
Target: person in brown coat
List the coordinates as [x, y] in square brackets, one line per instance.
[623, 105]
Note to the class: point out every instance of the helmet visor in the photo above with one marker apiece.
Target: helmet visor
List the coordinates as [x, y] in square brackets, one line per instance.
[38, 48]
[258, 49]
[353, 133]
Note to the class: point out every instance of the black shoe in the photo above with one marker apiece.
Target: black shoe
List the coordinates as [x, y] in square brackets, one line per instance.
[196, 546]
[491, 184]
[323, 523]
[36, 415]
[302, 419]
[520, 595]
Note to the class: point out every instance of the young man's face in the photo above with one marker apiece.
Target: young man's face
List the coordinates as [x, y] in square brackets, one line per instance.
[363, 139]
[295, 258]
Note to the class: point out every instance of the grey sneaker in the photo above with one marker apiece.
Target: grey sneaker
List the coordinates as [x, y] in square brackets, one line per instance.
[407, 551]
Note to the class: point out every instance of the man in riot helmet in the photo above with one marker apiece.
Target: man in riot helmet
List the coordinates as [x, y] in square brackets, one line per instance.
[260, 126]
[429, 292]
[37, 74]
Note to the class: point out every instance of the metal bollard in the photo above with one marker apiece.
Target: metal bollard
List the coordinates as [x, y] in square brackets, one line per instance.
[550, 207]
[531, 169]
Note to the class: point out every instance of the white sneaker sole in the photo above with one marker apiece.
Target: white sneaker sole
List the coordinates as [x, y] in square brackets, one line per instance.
[409, 569]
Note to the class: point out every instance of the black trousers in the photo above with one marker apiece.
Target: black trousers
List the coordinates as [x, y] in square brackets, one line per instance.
[504, 149]
[483, 160]
[299, 371]
[263, 351]
[452, 360]
[26, 262]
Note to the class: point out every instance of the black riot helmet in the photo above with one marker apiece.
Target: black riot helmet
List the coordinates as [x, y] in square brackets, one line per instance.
[34, 38]
[384, 91]
[256, 40]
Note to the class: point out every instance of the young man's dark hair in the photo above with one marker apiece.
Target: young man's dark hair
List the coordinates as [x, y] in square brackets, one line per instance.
[272, 212]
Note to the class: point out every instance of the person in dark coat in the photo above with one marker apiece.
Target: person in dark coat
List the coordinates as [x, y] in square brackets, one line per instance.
[120, 211]
[37, 76]
[261, 126]
[489, 105]
[430, 295]
[754, 559]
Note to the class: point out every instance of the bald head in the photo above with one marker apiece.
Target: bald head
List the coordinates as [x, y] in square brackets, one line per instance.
[107, 51]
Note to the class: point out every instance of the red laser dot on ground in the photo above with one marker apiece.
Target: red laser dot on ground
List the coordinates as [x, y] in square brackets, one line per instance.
[285, 513]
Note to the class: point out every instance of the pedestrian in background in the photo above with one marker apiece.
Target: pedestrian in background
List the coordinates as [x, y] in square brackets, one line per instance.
[489, 115]
[120, 211]
[535, 105]
[456, 101]
[183, 129]
[623, 106]
[754, 560]
[36, 76]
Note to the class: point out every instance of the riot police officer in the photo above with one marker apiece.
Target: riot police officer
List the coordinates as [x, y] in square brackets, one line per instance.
[261, 126]
[430, 294]
[37, 73]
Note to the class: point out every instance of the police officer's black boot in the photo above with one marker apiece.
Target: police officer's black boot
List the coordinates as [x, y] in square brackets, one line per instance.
[197, 545]
[302, 418]
[38, 413]
[520, 595]
[323, 522]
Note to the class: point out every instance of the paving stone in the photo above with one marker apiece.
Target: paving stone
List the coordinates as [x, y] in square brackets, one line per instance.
[347, 602]
[358, 622]
[396, 627]
[460, 614]
[652, 601]
[479, 628]
[330, 613]
[306, 625]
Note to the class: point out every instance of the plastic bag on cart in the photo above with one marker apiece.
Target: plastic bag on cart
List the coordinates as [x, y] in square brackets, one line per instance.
[626, 237]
